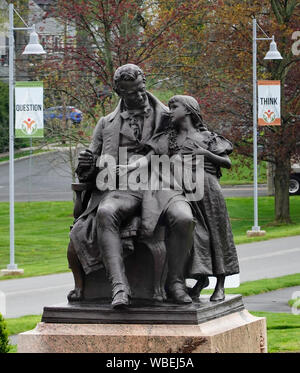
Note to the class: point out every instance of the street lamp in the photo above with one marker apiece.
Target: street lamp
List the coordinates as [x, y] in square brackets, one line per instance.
[272, 54]
[33, 47]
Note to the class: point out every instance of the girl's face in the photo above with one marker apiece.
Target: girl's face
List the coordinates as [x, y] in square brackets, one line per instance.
[177, 112]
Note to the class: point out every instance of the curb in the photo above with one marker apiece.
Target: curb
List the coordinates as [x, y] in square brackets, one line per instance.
[52, 150]
[28, 156]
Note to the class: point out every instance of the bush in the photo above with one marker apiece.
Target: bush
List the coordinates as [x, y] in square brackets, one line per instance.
[4, 342]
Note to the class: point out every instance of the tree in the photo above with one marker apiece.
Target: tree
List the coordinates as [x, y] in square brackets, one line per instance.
[215, 65]
[109, 33]
[79, 70]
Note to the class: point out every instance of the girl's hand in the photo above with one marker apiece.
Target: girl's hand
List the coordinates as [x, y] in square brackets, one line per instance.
[187, 149]
[200, 150]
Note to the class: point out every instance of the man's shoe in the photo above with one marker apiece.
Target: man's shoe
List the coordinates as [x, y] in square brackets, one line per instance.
[179, 294]
[75, 295]
[120, 300]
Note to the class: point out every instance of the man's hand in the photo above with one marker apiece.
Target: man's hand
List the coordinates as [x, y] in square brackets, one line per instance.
[123, 169]
[86, 159]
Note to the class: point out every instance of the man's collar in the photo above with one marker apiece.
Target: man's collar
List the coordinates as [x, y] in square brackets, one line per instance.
[145, 111]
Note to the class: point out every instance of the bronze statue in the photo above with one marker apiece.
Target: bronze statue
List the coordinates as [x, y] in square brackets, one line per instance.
[95, 237]
[196, 240]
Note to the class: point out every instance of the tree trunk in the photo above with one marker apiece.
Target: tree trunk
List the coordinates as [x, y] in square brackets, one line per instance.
[282, 202]
[270, 178]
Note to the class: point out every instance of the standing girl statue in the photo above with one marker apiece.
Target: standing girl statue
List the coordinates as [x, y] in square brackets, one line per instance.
[214, 252]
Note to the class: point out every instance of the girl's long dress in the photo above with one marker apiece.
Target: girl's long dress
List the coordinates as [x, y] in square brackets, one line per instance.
[214, 252]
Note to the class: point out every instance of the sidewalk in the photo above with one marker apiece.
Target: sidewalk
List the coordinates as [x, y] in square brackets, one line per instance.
[272, 301]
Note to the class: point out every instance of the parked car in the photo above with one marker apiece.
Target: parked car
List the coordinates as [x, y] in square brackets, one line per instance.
[71, 113]
[295, 179]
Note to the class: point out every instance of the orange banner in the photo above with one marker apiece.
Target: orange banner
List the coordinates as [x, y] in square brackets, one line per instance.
[268, 103]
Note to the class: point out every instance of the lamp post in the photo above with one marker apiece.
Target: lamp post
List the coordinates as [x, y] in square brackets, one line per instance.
[33, 47]
[272, 54]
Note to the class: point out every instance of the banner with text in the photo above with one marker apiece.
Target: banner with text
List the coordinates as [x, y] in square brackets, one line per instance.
[29, 118]
[269, 102]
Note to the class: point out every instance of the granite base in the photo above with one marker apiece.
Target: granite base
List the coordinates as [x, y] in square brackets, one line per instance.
[238, 332]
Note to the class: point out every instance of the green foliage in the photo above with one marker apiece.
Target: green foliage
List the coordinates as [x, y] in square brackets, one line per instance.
[4, 121]
[241, 171]
[4, 342]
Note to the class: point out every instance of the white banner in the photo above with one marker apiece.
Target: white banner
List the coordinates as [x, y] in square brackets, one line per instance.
[268, 103]
[29, 118]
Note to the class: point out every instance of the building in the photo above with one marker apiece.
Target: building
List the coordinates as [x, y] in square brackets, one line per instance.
[52, 35]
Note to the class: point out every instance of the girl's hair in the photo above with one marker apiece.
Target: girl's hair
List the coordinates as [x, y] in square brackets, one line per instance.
[193, 107]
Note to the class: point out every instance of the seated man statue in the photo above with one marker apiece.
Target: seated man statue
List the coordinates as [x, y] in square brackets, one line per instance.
[95, 236]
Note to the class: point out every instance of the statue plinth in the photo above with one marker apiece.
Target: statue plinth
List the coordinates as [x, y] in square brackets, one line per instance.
[143, 312]
[236, 332]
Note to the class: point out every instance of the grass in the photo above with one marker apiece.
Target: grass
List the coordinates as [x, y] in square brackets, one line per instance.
[42, 231]
[294, 302]
[283, 331]
[22, 324]
[21, 154]
[41, 236]
[241, 215]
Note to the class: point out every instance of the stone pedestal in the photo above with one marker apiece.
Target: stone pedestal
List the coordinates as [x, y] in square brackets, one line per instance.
[237, 332]
[11, 272]
[256, 233]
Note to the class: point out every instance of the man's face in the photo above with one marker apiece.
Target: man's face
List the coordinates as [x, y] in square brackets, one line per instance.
[133, 93]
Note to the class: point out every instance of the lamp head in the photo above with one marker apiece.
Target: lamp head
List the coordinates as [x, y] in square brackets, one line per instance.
[34, 47]
[273, 53]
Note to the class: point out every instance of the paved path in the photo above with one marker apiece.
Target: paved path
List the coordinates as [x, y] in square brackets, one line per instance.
[272, 301]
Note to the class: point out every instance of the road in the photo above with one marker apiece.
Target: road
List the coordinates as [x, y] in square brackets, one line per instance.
[258, 260]
[43, 177]
[46, 177]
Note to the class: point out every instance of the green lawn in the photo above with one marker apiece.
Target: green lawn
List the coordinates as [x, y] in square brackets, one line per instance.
[283, 331]
[241, 215]
[41, 236]
[42, 230]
